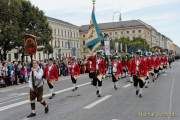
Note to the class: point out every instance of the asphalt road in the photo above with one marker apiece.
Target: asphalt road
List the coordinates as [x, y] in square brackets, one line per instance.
[161, 101]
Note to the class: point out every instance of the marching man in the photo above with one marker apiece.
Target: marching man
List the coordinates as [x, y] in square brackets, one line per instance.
[139, 71]
[156, 66]
[75, 72]
[149, 63]
[36, 88]
[116, 71]
[91, 65]
[51, 75]
[142, 73]
[129, 65]
[100, 72]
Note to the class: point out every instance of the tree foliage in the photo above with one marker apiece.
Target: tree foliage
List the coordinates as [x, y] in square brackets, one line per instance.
[18, 17]
[132, 45]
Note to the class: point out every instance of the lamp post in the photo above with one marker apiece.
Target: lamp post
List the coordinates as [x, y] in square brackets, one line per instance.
[119, 13]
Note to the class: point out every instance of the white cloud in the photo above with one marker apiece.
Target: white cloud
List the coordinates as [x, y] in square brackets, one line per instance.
[80, 5]
[163, 17]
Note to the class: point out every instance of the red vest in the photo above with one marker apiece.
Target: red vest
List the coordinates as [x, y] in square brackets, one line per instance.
[91, 64]
[101, 66]
[142, 68]
[74, 69]
[118, 67]
[132, 67]
[51, 74]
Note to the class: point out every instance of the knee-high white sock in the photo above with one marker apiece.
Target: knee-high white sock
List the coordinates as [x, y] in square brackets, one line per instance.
[74, 85]
[52, 90]
[99, 88]
[140, 91]
[131, 78]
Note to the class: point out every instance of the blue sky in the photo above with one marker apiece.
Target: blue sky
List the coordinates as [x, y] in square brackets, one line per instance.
[163, 15]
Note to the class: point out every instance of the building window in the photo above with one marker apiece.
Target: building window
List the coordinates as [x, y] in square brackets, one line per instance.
[133, 31]
[139, 31]
[83, 42]
[84, 36]
[9, 57]
[65, 33]
[71, 34]
[121, 32]
[54, 31]
[62, 33]
[115, 33]
[62, 44]
[58, 31]
[58, 43]
[74, 35]
[55, 43]
[68, 34]
[77, 45]
[39, 56]
[110, 33]
[127, 32]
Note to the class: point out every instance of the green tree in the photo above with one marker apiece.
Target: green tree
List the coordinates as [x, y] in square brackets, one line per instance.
[132, 45]
[18, 17]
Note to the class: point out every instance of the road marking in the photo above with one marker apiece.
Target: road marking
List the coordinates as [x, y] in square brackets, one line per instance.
[13, 95]
[26, 85]
[14, 88]
[171, 97]
[11, 100]
[47, 95]
[128, 85]
[97, 102]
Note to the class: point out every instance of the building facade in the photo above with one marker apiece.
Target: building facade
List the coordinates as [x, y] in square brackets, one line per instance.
[66, 38]
[65, 42]
[129, 29]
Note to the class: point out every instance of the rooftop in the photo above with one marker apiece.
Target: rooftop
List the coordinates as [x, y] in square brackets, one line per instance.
[121, 24]
[61, 21]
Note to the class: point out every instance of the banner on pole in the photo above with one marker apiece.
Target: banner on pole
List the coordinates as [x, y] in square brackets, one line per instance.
[107, 47]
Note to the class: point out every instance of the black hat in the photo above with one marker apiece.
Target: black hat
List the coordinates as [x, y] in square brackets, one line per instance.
[50, 59]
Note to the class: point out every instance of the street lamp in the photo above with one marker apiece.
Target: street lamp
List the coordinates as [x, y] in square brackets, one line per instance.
[119, 13]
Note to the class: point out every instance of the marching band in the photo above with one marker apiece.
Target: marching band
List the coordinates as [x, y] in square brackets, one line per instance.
[137, 67]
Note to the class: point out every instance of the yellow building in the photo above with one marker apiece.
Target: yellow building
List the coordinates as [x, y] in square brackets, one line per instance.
[130, 29]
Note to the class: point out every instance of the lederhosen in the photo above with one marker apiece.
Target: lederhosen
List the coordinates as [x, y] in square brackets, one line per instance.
[91, 74]
[74, 80]
[37, 92]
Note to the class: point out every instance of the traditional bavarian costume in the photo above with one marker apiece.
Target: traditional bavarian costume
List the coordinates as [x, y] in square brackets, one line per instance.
[36, 90]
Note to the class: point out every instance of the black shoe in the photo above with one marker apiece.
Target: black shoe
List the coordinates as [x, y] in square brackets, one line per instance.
[146, 86]
[31, 115]
[73, 89]
[115, 87]
[137, 92]
[51, 97]
[46, 110]
[99, 95]
[140, 96]
[76, 88]
[97, 92]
